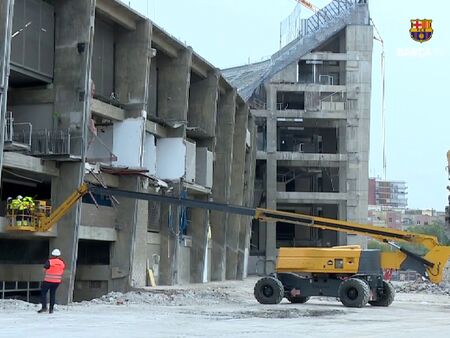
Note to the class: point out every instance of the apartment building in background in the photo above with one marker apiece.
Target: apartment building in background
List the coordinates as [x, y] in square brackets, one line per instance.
[311, 102]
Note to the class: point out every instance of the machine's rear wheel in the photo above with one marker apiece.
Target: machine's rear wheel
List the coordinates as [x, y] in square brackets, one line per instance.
[386, 297]
[354, 292]
[268, 290]
[297, 300]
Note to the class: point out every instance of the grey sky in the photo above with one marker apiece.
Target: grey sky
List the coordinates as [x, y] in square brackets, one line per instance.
[233, 32]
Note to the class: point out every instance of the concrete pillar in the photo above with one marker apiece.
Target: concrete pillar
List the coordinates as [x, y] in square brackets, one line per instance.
[271, 178]
[133, 58]
[72, 102]
[173, 90]
[249, 187]
[125, 224]
[237, 189]
[222, 180]
[203, 98]
[6, 18]
[169, 247]
[198, 229]
[359, 39]
[138, 250]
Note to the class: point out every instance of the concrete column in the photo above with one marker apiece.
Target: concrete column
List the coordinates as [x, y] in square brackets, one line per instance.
[72, 101]
[203, 98]
[222, 180]
[169, 247]
[237, 189]
[121, 248]
[271, 178]
[138, 250]
[359, 38]
[249, 187]
[173, 93]
[6, 18]
[133, 58]
[198, 229]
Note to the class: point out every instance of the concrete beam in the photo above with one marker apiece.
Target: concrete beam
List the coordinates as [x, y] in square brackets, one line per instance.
[202, 112]
[110, 180]
[133, 57]
[292, 114]
[222, 180]
[311, 197]
[303, 159]
[107, 111]
[28, 96]
[97, 234]
[162, 42]
[29, 163]
[328, 56]
[156, 129]
[310, 87]
[116, 13]
[199, 67]
[173, 94]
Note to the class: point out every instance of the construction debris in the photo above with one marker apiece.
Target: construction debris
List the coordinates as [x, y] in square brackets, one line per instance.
[208, 296]
[426, 287]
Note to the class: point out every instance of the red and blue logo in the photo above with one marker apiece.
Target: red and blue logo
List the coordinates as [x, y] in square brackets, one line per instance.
[421, 30]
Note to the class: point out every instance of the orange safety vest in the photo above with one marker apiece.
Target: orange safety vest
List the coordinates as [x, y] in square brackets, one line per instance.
[55, 272]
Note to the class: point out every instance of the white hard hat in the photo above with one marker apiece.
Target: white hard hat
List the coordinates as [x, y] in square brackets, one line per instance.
[56, 252]
[19, 197]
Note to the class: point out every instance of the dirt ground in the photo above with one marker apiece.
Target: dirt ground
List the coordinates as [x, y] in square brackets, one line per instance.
[226, 310]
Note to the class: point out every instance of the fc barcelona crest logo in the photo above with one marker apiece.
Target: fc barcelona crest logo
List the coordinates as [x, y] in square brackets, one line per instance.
[421, 30]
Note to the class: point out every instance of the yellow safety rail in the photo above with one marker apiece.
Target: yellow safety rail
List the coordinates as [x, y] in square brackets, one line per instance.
[40, 218]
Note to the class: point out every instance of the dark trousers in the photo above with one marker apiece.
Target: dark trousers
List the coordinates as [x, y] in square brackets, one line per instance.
[45, 287]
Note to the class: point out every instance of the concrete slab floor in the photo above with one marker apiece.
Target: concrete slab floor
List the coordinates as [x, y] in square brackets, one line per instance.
[228, 309]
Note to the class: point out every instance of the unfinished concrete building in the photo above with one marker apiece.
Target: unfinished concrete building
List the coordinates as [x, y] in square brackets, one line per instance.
[311, 102]
[92, 91]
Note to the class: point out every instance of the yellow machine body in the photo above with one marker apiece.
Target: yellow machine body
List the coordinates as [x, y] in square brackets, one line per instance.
[337, 260]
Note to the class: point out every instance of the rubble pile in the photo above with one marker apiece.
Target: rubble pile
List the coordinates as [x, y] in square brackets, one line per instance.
[209, 296]
[424, 287]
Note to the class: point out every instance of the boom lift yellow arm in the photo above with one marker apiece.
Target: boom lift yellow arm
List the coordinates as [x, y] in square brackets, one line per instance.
[431, 265]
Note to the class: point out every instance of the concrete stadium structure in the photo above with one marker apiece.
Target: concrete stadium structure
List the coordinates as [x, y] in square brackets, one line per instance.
[160, 119]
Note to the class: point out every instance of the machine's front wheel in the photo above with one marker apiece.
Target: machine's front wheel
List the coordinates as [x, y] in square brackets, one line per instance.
[386, 297]
[268, 290]
[354, 292]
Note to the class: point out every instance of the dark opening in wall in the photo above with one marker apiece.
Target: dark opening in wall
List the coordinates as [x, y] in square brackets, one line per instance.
[104, 200]
[154, 216]
[290, 100]
[93, 252]
[16, 183]
[24, 251]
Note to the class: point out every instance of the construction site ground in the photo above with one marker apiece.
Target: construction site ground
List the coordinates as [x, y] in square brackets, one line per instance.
[226, 309]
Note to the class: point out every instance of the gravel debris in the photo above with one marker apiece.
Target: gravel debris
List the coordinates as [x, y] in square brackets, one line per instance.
[423, 287]
[209, 296]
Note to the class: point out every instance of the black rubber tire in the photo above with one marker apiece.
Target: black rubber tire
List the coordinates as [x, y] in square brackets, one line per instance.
[297, 300]
[386, 298]
[268, 290]
[354, 292]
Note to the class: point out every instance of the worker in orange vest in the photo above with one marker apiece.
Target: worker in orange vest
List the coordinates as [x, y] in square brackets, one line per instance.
[54, 270]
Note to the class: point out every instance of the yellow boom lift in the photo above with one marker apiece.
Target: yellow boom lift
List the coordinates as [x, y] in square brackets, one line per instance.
[350, 273]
